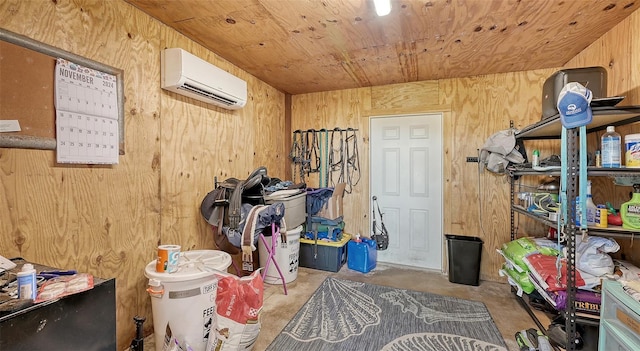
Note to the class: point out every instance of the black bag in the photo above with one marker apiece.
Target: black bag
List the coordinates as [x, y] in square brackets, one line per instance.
[380, 234]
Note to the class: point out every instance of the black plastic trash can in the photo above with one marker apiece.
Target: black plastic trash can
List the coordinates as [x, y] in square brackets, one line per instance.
[464, 254]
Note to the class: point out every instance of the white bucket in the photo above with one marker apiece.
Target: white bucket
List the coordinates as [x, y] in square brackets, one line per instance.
[186, 299]
[286, 256]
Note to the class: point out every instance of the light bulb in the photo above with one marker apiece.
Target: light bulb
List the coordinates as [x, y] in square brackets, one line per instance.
[383, 7]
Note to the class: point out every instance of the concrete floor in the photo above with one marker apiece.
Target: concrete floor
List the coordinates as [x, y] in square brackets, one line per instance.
[504, 308]
[278, 308]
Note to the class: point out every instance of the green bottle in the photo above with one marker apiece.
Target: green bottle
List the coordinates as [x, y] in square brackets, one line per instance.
[630, 210]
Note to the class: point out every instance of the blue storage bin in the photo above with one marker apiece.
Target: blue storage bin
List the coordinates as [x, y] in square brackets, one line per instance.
[362, 255]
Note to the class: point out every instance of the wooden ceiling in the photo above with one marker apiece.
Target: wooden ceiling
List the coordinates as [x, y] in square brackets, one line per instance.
[303, 46]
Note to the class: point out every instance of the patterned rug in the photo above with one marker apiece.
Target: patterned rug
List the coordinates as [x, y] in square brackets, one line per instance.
[348, 315]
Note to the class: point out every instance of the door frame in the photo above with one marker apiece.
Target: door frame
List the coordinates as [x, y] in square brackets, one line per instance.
[441, 113]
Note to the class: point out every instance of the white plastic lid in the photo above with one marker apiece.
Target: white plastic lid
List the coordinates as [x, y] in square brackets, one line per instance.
[284, 195]
[27, 267]
[611, 129]
[192, 265]
[296, 230]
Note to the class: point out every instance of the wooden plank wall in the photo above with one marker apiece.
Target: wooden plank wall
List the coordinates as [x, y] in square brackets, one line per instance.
[474, 108]
[108, 220]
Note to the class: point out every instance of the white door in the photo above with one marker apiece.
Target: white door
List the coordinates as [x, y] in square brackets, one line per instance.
[406, 177]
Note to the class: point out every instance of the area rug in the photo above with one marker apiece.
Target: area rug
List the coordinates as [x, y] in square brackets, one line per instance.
[348, 315]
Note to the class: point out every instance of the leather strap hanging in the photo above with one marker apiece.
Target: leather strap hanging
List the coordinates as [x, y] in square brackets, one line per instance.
[380, 234]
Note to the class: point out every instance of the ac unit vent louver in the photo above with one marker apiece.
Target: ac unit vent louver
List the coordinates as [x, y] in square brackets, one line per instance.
[207, 94]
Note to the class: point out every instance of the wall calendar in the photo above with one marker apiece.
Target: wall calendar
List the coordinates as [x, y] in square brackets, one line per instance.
[86, 115]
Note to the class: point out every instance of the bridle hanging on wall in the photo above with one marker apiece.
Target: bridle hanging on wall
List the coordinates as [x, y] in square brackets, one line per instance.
[329, 153]
[352, 169]
[335, 162]
[311, 143]
[297, 156]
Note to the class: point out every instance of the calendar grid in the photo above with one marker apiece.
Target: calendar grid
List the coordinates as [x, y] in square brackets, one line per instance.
[86, 115]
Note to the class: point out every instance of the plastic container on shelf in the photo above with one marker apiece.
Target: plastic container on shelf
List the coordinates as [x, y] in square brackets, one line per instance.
[592, 209]
[630, 210]
[576, 203]
[602, 216]
[632, 150]
[27, 287]
[611, 148]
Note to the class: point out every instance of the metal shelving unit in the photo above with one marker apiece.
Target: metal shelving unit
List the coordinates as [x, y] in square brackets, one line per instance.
[593, 171]
[614, 232]
[551, 128]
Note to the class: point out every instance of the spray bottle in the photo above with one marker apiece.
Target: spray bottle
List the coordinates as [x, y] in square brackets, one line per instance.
[630, 210]
[592, 209]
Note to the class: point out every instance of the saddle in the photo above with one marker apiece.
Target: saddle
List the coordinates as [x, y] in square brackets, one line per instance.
[222, 206]
[254, 183]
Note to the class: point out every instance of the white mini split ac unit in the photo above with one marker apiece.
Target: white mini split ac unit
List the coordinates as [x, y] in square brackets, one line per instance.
[191, 76]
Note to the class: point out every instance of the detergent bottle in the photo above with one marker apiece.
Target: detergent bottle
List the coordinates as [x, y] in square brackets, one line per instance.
[630, 210]
[591, 207]
[578, 210]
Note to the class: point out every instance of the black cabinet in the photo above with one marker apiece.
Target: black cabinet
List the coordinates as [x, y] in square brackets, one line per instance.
[84, 321]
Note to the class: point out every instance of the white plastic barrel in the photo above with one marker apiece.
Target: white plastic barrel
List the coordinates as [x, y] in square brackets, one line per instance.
[286, 255]
[186, 299]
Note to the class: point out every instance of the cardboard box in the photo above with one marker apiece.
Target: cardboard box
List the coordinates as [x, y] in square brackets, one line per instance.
[324, 255]
[333, 208]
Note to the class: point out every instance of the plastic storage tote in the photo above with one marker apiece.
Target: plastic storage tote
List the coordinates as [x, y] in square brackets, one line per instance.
[324, 255]
[294, 207]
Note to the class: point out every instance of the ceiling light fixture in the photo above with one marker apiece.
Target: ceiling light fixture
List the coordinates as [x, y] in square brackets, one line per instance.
[383, 7]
